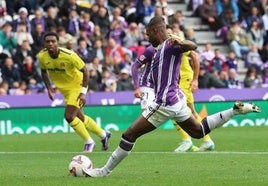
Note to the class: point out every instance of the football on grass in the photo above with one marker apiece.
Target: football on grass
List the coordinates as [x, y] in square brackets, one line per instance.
[77, 163]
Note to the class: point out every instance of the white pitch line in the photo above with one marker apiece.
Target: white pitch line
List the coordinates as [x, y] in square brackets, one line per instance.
[108, 152]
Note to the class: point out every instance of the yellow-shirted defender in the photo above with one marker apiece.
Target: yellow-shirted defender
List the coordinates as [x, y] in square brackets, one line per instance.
[68, 73]
[189, 70]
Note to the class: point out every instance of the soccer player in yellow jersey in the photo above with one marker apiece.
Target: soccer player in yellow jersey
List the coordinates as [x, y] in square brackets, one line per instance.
[189, 70]
[70, 76]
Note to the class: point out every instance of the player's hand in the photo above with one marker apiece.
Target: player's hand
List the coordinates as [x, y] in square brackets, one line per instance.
[81, 100]
[194, 85]
[174, 41]
[51, 93]
[137, 93]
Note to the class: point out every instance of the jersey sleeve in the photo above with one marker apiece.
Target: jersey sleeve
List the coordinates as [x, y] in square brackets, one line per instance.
[77, 61]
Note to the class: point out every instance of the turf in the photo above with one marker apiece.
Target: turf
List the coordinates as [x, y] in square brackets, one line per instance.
[240, 158]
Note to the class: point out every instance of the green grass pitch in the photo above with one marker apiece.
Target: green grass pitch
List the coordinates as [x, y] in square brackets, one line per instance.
[240, 158]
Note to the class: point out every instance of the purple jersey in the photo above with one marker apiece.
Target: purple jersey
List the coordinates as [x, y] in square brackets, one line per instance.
[145, 59]
[165, 72]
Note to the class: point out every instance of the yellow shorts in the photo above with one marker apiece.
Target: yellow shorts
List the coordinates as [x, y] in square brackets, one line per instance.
[70, 96]
[186, 88]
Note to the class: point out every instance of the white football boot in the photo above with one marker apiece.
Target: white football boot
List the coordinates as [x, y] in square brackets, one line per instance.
[244, 108]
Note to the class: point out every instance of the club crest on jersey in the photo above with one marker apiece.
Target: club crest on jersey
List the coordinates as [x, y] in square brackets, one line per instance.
[142, 57]
[62, 65]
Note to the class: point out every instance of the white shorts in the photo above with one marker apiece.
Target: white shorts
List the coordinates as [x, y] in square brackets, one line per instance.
[157, 115]
[147, 97]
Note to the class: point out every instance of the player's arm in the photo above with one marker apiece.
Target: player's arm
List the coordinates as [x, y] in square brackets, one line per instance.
[195, 66]
[185, 45]
[135, 76]
[82, 95]
[46, 80]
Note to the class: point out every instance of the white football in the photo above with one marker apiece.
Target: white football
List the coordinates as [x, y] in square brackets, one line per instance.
[77, 163]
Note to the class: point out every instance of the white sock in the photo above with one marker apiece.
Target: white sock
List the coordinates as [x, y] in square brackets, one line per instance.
[117, 156]
[89, 141]
[218, 119]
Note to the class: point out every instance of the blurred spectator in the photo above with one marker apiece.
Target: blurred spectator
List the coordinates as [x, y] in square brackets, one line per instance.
[254, 16]
[252, 79]
[124, 81]
[87, 24]
[144, 39]
[190, 35]
[83, 36]
[265, 24]
[4, 17]
[177, 18]
[159, 12]
[115, 50]
[20, 90]
[96, 65]
[209, 79]
[97, 35]
[102, 20]
[45, 4]
[94, 80]
[99, 50]
[231, 61]
[244, 8]
[108, 84]
[52, 19]
[176, 30]
[30, 74]
[208, 13]
[110, 65]
[238, 39]
[127, 63]
[223, 76]
[129, 12]
[38, 42]
[265, 77]
[118, 26]
[116, 3]
[23, 18]
[264, 54]
[218, 62]
[72, 23]
[207, 54]
[38, 19]
[223, 5]
[64, 37]
[69, 6]
[163, 4]
[233, 82]
[225, 22]
[84, 52]
[254, 58]
[255, 35]
[7, 39]
[4, 88]
[10, 73]
[145, 11]
[22, 34]
[132, 38]
[21, 52]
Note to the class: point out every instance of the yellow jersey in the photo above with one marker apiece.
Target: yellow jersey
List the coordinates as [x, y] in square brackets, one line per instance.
[64, 71]
[186, 71]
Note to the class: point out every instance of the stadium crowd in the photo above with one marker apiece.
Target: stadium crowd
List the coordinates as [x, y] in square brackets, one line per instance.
[109, 34]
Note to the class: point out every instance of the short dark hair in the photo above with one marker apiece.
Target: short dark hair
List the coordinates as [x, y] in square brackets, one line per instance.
[156, 21]
[51, 34]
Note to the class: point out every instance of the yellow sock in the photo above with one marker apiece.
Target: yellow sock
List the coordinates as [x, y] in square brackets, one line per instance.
[80, 128]
[183, 134]
[206, 137]
[92, 126]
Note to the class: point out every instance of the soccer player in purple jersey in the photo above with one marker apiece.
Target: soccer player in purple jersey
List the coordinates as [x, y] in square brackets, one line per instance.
[170, 102]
